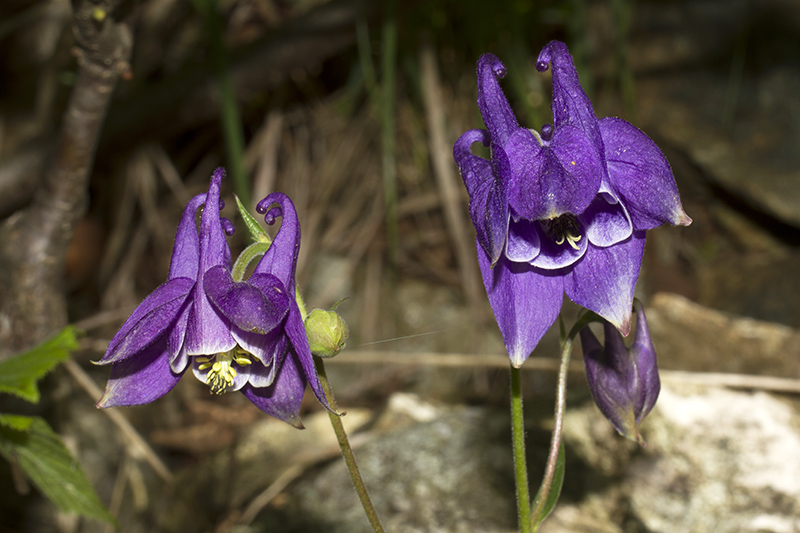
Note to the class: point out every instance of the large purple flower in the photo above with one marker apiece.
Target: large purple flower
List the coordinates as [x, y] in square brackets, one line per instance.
[235, 335]
[563, 210]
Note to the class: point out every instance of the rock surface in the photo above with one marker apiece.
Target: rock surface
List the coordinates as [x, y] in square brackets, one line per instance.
[716, 460]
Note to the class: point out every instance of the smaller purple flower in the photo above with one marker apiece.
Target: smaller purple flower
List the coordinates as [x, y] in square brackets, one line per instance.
[563, 210]
[623, 381]
[245, 336]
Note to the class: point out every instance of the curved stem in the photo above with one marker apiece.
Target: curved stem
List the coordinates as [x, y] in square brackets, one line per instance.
[520, 464]
[558, 425]
[347, 451]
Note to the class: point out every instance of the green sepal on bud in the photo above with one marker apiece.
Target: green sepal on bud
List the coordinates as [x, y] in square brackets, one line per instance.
[255, 229]
[327, 332]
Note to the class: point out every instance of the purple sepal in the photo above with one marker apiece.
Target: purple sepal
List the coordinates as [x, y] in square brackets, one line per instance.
[141, 379]
[641, 175]
[149, 320]
[604, 280]
[525, 303]
[284, 397]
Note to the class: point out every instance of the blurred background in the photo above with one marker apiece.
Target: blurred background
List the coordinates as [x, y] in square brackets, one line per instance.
[351, 108]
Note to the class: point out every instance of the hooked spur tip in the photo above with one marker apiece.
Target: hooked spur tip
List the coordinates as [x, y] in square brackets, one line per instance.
[493, 63]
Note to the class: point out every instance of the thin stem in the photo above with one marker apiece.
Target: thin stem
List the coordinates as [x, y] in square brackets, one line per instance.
[347, 451]
[232, 128]
[558, 425]
[520, 464]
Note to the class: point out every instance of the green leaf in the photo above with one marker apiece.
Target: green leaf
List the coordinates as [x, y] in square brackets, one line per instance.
[18, 375]
[555, 491]
[16, 422]
[256, 231]
[44, 458]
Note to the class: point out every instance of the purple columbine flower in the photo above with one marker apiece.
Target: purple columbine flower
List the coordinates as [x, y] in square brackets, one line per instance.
[563, 210]
[623, 381]
[235, 335]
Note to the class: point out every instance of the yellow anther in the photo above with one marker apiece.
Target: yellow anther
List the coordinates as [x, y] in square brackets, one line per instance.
[221, 373]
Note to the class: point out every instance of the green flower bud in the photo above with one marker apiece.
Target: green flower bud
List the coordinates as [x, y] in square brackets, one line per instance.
[327, 332]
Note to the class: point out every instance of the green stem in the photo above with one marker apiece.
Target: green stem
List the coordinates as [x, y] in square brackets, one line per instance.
[520, 464]
[347, 451]
[248, 255]
[232, 128]
[558, 426]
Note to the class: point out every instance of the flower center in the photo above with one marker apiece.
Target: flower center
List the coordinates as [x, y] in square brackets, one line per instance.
[221, 372]
[564, 228]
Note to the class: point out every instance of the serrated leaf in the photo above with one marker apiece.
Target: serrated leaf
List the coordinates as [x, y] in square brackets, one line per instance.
[16, 422]
[555, 491]
[19, 374]
[44, 458]
[255, 229]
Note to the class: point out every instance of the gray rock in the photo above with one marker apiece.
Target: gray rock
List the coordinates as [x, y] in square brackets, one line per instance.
[716, 460]
[688, 336]
[450, 473]
[753, 157]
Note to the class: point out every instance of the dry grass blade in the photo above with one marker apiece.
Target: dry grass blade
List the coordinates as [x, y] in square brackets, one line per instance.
[139, 445]
[446, 180]
[262, 155]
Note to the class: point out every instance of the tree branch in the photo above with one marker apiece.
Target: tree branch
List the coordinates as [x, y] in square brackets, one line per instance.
[33, 241]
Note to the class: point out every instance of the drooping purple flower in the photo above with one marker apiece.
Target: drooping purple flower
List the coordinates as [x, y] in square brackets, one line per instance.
[276, 384]
[623, 381]
[563, 210]
[235, 335]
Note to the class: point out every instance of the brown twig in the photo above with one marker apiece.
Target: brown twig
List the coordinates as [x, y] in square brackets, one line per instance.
[33, 242]
[138, 444]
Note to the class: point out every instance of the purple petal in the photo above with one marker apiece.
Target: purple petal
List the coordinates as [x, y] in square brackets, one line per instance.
[141, 379]
[570, 104]
[207, 332]
[263, 376]
[606, 220]
[283, 399]
[186, 252]
[148, 321]
[474, 170]
[523, 241]
[644, 353]
[178, 357]
[488, 207]
[526, 301]
[563, 177]
[266, 348]
[496, 113]
[604, 280]
[528, 163]
[213, 246]
[641, 175]
[281, 257]
[257, 305]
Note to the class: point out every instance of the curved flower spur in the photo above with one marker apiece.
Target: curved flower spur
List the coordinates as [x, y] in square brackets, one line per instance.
[562, 210]
[237, 335]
